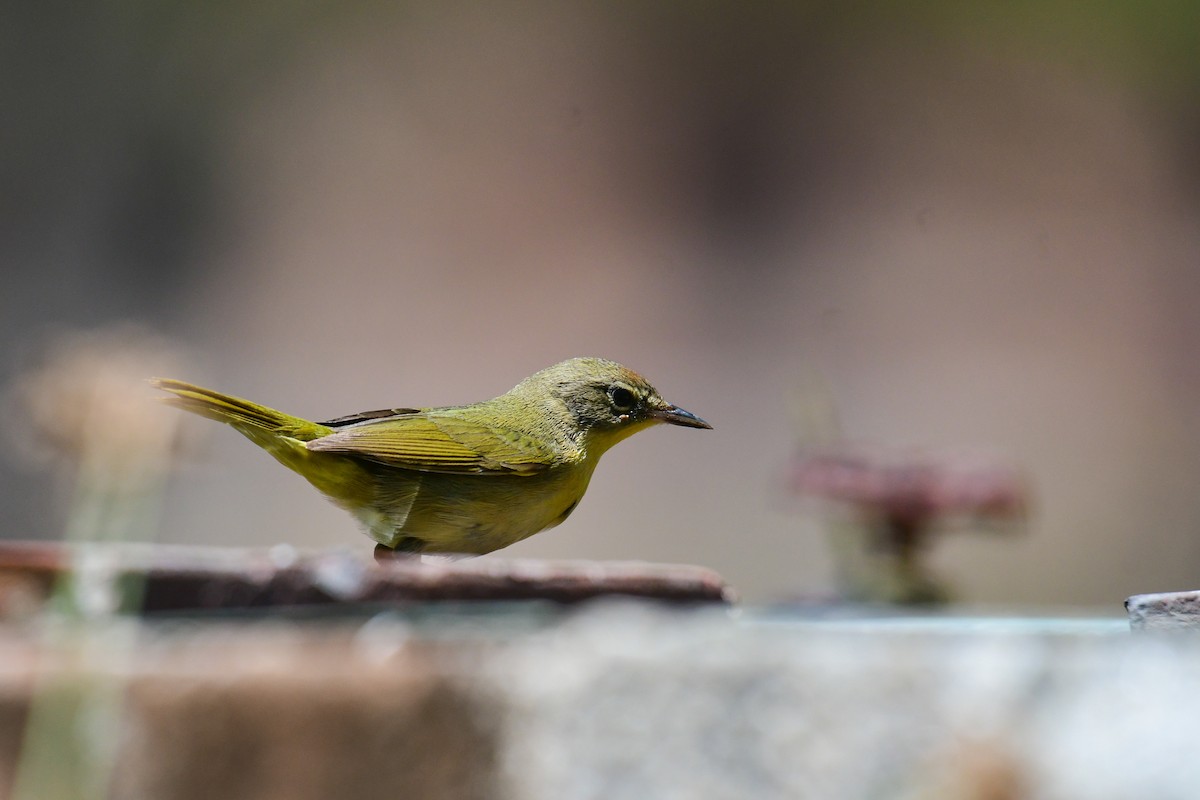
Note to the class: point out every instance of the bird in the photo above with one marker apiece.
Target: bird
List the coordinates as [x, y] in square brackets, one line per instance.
[464, 480]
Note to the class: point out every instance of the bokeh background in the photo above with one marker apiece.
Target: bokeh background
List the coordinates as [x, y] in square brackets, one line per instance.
[956, 225]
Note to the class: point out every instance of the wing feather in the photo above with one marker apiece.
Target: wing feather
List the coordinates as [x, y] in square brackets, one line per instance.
[432, 442]
[364, 416]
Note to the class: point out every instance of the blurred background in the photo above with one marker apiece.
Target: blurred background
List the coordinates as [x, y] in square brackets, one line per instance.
[953, 225]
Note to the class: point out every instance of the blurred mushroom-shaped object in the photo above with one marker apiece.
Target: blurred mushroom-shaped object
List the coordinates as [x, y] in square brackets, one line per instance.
[84, 410]
[898, 499]
[85, 403]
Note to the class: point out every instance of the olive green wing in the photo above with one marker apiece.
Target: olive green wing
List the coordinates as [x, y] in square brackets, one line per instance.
[432, 442]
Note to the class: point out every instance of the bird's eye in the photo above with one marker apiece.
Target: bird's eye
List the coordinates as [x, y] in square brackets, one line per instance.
[622, 399]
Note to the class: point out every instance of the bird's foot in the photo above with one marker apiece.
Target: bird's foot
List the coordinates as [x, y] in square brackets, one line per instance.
[386, 555]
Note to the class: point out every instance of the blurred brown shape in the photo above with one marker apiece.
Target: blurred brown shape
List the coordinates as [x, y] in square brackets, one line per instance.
[233, 712]
[977, 769]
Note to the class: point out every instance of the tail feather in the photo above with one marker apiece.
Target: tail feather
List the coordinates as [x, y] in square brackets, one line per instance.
[250, 418]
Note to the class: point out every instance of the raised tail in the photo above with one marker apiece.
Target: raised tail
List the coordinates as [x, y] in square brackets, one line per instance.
[256, 422]
[342, 479]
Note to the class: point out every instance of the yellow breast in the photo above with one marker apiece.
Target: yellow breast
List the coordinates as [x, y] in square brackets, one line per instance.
[439, 513]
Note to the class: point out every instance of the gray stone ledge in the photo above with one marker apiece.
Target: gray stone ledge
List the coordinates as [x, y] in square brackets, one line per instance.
[1164, 611]
[617, 700]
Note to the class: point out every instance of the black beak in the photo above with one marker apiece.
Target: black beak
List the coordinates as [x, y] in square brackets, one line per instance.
[677, 416]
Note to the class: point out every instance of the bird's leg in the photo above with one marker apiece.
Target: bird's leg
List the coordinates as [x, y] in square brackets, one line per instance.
[385, 554]
[409, 547]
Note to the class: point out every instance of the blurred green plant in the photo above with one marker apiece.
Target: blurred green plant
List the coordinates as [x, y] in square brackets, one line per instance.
[87, 413]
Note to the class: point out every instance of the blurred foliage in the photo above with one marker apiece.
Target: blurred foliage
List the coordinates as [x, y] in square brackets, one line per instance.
[1152, 44]
[167, 72]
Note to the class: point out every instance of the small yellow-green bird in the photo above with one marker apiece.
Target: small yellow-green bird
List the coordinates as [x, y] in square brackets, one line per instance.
[458, 479]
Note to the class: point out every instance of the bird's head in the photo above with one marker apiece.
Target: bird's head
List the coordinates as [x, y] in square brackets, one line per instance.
[606, 402]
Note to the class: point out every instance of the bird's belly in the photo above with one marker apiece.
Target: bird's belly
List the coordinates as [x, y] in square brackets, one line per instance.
[478, 514]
